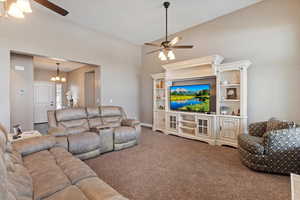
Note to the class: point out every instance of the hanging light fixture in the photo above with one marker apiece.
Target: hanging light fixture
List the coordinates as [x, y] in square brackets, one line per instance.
[24, 6]
[15, 8]
[58, 78]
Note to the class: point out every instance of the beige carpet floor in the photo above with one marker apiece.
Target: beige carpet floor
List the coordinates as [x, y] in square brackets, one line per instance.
[165, 167]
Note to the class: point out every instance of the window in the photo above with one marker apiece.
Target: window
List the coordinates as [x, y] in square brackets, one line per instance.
[59, 92]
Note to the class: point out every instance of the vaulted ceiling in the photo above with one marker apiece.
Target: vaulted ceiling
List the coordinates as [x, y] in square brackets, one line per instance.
[140, 21]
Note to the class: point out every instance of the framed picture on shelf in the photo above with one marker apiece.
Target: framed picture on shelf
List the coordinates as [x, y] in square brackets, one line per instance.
[231, 93]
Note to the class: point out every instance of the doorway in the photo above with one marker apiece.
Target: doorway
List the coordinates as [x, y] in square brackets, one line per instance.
[89, 88]
[44, 100]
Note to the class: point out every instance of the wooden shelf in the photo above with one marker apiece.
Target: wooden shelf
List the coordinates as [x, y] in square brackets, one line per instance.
[188, 122]
[186, 127]
[231, 85]
[230, 100]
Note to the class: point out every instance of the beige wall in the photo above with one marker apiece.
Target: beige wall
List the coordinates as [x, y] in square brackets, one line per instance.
[49, 35]
[268, 34]
[21, 91]
[76, 83]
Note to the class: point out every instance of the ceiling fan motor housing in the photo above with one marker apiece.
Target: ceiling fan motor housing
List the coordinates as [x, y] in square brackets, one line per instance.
[166, 4]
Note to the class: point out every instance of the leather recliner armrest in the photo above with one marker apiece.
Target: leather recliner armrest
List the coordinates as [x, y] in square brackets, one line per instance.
[35, 144]
[130, 122]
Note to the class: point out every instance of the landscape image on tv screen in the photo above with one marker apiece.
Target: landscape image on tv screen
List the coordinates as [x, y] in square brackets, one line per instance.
[192, 98]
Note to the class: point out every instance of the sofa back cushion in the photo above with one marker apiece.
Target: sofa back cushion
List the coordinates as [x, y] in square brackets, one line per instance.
[3, 169]
[73, 120]
[74, 126]
[71, 114]
[274, 124]
[94, 117]
[112, 115]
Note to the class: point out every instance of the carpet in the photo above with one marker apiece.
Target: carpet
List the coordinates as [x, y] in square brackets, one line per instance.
[165, 167]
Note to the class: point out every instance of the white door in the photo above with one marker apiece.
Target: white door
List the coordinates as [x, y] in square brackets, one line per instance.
[44, 100]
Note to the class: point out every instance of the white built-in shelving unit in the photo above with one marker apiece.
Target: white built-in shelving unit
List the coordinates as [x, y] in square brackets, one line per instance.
[217, 128]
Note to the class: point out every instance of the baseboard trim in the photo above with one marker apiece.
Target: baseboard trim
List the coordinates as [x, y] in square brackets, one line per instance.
[146, 125]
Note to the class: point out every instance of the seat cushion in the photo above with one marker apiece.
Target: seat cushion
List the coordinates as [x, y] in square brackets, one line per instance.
[71, 192]
[124, 134]
[251, 144]
[48, 178]
[96, 189]
[83, 142]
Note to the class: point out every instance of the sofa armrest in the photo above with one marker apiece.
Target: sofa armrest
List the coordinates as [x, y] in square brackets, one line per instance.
[130, 122]
[35, 144]
[257, 129]
[252, 144]
[282, 141]
[57, 132]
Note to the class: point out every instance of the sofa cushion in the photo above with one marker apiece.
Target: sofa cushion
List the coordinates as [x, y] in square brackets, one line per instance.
[251, 144]
[47, 176]
[31, 145]
[74, 168]
[70, 114]
[3, 175]
[124, 134]
[96, 189]
[95, 122]
[93, 112]
[74, 126]
[275, 124]
[71, 192]
[83, 142]
[113, 122]
[20, 182]
[110, 111]
[62, 142]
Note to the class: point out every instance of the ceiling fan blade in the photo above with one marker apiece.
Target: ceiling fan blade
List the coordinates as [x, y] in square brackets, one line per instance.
[152, 44]
[53, 7]
[183, 47]
[157, 50]
[175, 40]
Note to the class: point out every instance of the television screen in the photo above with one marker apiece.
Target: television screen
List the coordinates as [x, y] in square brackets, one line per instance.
[193, 98]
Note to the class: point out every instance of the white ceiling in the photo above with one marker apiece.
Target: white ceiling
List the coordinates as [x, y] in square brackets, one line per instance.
[140, 21]
[50, 64]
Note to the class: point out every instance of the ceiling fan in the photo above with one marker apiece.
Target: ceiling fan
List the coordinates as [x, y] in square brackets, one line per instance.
[167, 46]
[17, 8]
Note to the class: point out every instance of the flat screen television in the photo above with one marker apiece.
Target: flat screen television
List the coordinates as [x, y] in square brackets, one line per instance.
[190, 98]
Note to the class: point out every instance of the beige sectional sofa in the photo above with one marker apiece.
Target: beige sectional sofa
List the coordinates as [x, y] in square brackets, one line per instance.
[37, 169]
[88, 132]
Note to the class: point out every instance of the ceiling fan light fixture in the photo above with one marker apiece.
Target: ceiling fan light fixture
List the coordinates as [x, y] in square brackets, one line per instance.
[24, 6]
[63, 79]
[2, 9]
[162, 56]
[171, 55]
[15, 11]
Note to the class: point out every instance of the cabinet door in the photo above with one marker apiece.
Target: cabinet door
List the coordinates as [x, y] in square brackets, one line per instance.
[172, 122]
[160, 117]
[229, 128]
[203, 126]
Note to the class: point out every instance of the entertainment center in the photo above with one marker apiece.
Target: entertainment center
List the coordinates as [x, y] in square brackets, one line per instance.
[202, 99]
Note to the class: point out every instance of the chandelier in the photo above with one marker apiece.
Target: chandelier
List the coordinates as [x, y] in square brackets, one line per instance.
[58, 78]
[14, 8]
